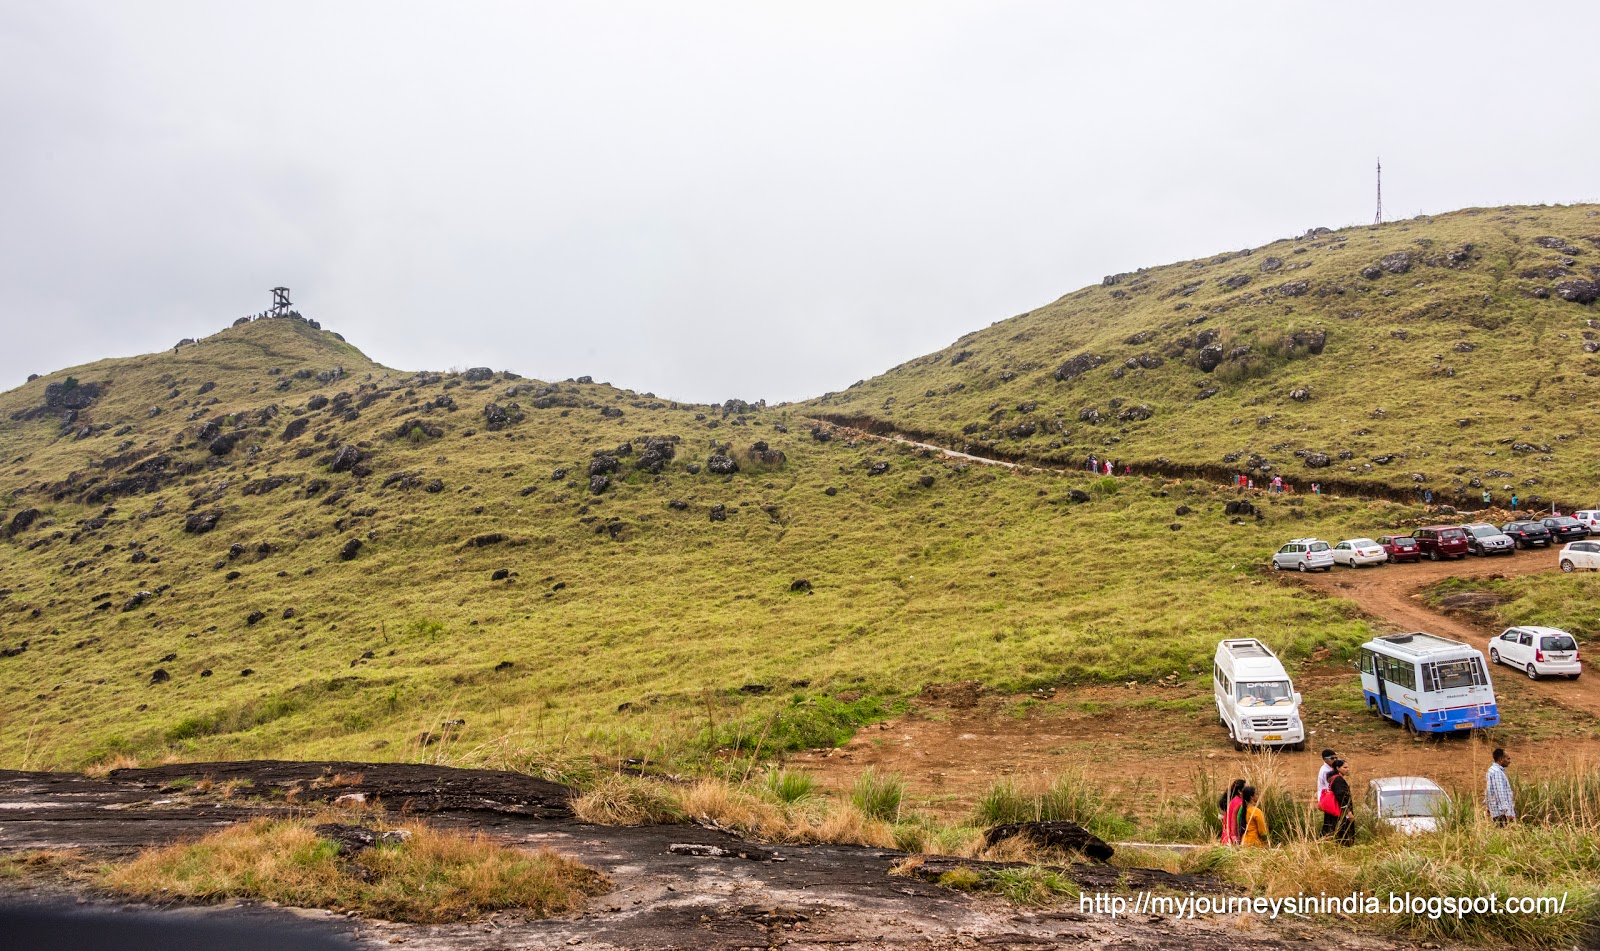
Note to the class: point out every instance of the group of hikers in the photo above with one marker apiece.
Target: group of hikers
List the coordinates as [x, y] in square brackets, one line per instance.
[1244, 824]
[1107, 467]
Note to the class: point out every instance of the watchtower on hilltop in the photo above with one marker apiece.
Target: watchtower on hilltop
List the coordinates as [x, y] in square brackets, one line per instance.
[280, 303]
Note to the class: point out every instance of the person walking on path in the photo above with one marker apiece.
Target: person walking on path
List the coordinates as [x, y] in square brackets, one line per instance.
[1488, 499]
[1497, 794]
[1513, 501]
[1427, 497]
[1230, 803]
[1255, 821]
[1344, 831]
[1325, 772]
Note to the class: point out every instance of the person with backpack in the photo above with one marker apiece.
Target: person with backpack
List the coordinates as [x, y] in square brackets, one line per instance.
[1255, 821]
[1230, 804]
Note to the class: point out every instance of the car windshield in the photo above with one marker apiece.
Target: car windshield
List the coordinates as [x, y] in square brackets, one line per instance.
[1265, 693]
[1484, 531]
[1319, 546]
[1562, 643]
[1362, 543]
[1409, 803]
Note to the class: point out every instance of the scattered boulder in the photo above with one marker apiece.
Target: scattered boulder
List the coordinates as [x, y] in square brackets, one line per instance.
[478, 375]
[677, 505]
[598, 483]
[434, 487]
[199, 523]
[138, 599]
[1182, 510]
[500, 574]
[497, 417]
[1294, 288]
[295, 428]
[1077, 495]
[1208, 358]
[350, 549]
[160, 676]
[720, 464]
[1058, 834]
[1399, 262]
[1268, 265]
[603, 465]
[483, 541]
[1136, 413]
[316, 402]
[926, 481]
[556, 475]
[877, 468]
[830, 491]
[1318, 460]
[254, 618]
[347, 458]
[719, 513]
[800, 586]
[1372, 272]
[1239, 507]
[1578, 292]
[23, 519]
[1078, 366]
[1300, 394]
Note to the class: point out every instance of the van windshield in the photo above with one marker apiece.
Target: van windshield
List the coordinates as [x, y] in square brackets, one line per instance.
[1265, 694]
[1319, 546]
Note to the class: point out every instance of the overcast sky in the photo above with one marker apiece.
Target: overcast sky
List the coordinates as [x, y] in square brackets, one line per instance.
[714, 200]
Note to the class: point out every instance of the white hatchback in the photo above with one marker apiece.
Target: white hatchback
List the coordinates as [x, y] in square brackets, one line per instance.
[1577, 555]
[1537, 651]
[1590, 518]
[1355, 552]
[1306, 554]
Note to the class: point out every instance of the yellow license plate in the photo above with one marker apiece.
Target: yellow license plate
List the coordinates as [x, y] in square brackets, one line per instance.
[1463, 726]
[1273, 736]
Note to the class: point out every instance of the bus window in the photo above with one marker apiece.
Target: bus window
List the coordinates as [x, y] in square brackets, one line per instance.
[1467, 672]
[1366, 662]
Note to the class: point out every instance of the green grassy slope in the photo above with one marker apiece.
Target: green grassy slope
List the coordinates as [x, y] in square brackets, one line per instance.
[1440, 352]
[631, 623]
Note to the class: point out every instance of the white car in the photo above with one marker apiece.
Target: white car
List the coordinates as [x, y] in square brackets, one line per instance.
[1355, 552]
[1590, 518]
[1537, 651]
[1305, 554]
[1579, 555]
[1407, 804]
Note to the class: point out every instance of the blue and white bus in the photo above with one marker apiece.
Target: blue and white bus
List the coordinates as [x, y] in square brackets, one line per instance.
[1427, 683]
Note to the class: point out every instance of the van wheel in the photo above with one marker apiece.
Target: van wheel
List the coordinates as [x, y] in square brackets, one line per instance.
[1566, 566]
[1300, 747]
[1533, 672]
[1433, 555]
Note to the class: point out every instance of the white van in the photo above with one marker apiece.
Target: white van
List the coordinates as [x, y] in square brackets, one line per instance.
[1255, 698]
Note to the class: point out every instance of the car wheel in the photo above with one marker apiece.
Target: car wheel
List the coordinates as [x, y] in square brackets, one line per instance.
[1434, 555]
[1276, 566]
[1566, 566]
[1533, 672]
[1304, 567]
[1576, 676]
[1494, 656]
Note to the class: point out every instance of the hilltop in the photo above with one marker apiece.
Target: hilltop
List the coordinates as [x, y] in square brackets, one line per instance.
[1448, 353]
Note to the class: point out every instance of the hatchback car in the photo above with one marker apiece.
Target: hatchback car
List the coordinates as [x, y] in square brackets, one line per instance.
[1305, 554]
[1590, 519]
[1537, 651]
[1355, 552]
[1585, 555]
[1400, 548]
[1528, 534]
[1566, 529]
[1442, 541]
[1407, 804]
[1485, 539]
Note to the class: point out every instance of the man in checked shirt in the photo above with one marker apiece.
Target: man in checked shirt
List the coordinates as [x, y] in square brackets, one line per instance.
[1497, 797]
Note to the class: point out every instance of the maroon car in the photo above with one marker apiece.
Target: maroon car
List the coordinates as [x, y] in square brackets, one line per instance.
[1442, 541]
[1400, 548]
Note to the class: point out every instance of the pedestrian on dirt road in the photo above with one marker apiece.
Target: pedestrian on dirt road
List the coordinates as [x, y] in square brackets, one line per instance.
[1427, 497]
[1488, 499]
[1325, 772]
[1255, 821]
[1229, 804]
[1344, 825]
[1497, 794]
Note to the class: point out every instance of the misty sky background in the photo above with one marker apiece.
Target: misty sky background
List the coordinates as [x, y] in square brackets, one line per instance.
[715, 200]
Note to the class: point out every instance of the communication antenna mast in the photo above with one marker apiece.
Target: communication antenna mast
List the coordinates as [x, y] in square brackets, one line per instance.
[1378, 219]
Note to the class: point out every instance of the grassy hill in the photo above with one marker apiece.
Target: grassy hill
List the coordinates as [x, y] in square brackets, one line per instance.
[1450, 353]
[266, 544]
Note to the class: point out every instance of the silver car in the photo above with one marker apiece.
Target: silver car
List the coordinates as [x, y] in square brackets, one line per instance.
[1486, 539]
[1407, 804]
[1304, 554]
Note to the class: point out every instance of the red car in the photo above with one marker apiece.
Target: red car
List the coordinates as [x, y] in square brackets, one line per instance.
[1400, 548]
[1442, 541]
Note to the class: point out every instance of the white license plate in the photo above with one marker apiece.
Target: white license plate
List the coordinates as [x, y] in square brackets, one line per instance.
[1560, 656]
[1272, 736]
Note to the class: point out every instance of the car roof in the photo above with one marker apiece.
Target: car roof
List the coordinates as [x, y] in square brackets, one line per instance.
[1407, 783]
[1439, 528]
[1481, 525]
[1541, 631]
[1362, 538]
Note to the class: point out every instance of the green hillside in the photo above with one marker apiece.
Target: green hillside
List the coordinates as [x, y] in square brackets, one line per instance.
[1450, 353]
[266, 544]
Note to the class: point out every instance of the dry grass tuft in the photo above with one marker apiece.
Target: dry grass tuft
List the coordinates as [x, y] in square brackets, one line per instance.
[432, 876]
[627, 801]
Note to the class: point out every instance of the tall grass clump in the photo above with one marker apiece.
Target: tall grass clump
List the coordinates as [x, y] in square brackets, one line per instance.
[430, 876]
[619, 800]
[791, 786]
[878, 797]
[1069, 797]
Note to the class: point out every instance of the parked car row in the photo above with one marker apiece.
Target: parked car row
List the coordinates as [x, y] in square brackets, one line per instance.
[1437, 542]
